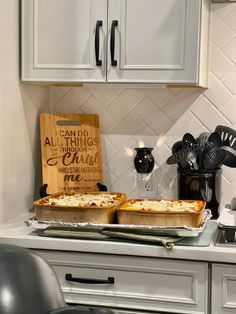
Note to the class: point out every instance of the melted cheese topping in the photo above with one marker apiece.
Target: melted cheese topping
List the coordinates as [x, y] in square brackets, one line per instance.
[163, 205]
[82, 200]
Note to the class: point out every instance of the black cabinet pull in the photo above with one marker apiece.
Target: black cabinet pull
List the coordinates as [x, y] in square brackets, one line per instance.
[97, 37]
[112, 42]
[91, 281]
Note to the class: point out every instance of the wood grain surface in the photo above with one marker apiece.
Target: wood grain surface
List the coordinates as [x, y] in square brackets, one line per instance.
[71, 152]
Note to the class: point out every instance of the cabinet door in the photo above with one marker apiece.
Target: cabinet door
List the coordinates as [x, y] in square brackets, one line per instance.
[155, 40]
[58, 40]
[223, 289]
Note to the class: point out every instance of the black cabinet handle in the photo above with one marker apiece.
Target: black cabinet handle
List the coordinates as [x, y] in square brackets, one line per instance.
[91, 281]
[112, 42]
[97, 37]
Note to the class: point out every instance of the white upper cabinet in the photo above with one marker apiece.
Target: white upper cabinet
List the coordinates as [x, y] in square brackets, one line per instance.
[151, 41]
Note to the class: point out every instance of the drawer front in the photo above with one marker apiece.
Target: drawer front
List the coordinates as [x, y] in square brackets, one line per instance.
[139, 283]
[223, 289]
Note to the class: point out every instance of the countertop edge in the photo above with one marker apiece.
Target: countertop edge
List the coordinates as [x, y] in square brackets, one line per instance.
[17, 233]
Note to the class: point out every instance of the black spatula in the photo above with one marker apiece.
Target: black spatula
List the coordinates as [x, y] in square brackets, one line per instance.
[227, 133]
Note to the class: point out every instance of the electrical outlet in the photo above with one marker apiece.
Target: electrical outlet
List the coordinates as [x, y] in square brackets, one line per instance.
[146, 187]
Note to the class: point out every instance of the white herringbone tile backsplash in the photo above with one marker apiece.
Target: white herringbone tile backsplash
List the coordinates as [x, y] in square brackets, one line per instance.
[158, 116]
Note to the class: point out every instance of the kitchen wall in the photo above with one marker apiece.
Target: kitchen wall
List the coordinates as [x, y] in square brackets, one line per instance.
[157, 116]
[19, 108]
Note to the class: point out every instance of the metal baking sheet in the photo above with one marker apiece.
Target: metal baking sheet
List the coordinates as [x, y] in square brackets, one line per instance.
[181, 231]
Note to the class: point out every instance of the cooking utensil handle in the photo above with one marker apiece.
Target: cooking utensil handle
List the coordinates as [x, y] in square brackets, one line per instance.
[112, 43]
[97, 42]
[91, 281]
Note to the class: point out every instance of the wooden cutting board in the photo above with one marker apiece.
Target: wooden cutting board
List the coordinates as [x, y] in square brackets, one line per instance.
[71, 153]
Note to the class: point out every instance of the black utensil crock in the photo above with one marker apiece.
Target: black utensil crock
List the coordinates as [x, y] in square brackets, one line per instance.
[201, 185]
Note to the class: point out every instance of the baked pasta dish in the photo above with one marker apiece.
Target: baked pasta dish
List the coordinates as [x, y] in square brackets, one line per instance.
[165, 213]
[164, 205]
[83, 199]
[90, 207]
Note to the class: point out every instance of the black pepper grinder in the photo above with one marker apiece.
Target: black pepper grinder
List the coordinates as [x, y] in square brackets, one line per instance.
[144, 160]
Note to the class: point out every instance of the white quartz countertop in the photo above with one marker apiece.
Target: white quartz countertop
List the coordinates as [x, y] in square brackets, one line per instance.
[18, 233]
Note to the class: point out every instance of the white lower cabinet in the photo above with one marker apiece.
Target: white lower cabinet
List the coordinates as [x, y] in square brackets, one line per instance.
[129, 283]
[223, 289]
